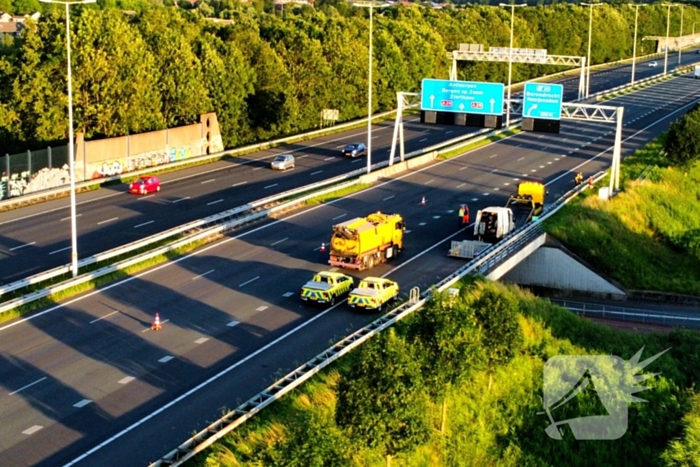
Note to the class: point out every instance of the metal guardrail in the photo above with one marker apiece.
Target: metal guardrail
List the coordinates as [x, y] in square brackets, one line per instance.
[650, 80]
[236, 417]
[197, 224]
[626, 314]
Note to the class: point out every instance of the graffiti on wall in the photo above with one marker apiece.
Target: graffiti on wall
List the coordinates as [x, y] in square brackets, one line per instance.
[110, 168]
[25, 183]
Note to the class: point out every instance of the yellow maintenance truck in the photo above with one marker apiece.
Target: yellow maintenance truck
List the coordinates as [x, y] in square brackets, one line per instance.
[361, 243]
[528, 202]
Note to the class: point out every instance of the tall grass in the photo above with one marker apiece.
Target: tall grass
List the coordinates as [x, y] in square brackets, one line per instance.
[648, 236]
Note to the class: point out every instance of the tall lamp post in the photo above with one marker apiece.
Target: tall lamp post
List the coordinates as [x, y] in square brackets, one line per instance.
[510, 53]
[371, 5]
[668, 29]
[680, 46]
[590, 30]
[634, 47]
[71, 149]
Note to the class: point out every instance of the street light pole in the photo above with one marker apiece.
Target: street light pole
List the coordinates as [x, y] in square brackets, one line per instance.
[588, 57]
[371, 5]
[71, 148]
[634, 46]
[510, 54]
[680, 45]
[668, 29]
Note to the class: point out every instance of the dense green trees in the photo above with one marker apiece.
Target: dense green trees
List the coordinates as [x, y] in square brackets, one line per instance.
[267, 74]
[683, 140]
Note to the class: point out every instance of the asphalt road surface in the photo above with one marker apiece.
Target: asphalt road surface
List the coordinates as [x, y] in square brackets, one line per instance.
[87, 380]
[37, 238]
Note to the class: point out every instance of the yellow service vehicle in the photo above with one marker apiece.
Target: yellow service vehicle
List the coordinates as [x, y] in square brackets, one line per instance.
[529, 200]
[361, 243]
[373, 293]
[327, 287]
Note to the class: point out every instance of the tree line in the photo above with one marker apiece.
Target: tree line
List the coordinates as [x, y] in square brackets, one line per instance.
[267, 74]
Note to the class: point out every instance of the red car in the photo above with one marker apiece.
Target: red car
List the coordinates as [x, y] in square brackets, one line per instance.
[145, 184]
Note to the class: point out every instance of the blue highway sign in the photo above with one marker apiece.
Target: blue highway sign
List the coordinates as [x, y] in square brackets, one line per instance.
[462, 97]
[543, 100]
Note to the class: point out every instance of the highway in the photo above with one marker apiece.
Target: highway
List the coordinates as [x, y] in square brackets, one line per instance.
[88, 381]
[37, 238]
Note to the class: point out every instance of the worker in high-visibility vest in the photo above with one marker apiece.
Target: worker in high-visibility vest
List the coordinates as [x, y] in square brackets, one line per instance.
[463, 215]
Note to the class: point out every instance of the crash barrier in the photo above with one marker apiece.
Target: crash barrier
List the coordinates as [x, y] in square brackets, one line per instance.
[636, 315]
[238, 416]
[650, 80]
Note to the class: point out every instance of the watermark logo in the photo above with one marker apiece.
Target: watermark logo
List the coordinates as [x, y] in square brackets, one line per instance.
[613, 379]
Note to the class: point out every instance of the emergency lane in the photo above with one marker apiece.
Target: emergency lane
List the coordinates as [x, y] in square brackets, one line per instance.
[37, 238]
[95, 369]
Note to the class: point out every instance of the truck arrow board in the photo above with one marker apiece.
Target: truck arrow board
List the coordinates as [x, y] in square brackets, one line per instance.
[543, 100]
[462, 96]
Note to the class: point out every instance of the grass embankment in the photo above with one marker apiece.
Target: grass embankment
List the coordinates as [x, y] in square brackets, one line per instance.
[648, 236]
[498, 426]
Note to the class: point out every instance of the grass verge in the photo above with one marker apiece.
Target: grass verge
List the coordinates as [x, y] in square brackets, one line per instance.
[478, 144]
[336, 194]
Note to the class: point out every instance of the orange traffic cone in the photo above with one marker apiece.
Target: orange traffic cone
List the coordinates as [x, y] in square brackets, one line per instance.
[156, 323]
[323, 247]
[422, 202]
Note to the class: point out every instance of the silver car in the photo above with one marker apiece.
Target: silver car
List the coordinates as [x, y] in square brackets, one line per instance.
[283, 162]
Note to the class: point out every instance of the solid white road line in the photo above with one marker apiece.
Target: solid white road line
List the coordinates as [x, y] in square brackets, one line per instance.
[204, 274]
[145, 223]
[27, 386]
[108, 220]
[58, 251]
[22, 246]
[248, 282]
[103, 317]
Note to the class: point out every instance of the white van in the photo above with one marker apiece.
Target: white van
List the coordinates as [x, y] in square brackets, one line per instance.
[696, 75]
